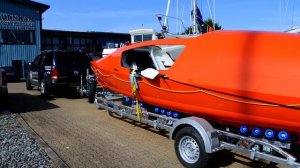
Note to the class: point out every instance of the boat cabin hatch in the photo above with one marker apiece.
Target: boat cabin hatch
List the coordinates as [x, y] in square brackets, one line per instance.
[160, 57]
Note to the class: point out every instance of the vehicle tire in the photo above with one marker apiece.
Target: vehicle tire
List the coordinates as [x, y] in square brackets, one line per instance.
[28, 83]
[92, 91]
[45, 92]
[190, 148]
[4, 99]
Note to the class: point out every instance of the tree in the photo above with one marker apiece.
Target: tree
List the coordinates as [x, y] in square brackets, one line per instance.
[209, 23]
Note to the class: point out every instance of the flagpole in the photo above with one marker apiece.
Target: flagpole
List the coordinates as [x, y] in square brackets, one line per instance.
[195, 27]
[214, 17]
[167, 13]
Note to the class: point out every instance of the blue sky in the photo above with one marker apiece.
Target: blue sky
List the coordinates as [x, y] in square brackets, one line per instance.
[125, 15]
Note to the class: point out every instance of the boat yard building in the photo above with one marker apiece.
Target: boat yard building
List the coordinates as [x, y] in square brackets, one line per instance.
[22, 37]
[89, 42]
[20, 30]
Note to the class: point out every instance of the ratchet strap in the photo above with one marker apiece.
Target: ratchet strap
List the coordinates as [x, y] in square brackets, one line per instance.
[135, 87]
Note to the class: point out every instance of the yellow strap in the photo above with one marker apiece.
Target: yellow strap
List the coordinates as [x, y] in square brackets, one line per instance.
[138, 110]
[134, 90]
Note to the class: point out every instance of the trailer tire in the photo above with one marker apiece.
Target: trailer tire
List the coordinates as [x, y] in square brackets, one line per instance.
[190, 148]
[92, 91]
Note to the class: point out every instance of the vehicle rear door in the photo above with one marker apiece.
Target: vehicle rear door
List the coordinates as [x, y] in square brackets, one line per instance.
[71, 67]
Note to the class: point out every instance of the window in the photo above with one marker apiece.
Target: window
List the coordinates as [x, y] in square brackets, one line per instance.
[48, 40]
[36, 60]
[48, 60]
[76, 41]
[142, 37]
[17, 36]
[76, 59]
[138, 38]
[55, 40]
[1, 38]
[82, 42]
[147, 37]
[55, 43]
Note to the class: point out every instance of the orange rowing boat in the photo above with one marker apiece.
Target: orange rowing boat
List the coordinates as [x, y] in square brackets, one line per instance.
[232, 78]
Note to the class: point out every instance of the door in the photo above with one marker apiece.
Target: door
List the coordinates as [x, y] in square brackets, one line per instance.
[34, 70]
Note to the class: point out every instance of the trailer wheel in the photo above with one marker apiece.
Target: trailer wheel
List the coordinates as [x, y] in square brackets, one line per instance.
[190, 148]
[92, 91]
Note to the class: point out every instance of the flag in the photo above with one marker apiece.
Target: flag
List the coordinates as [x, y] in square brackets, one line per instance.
[199, 19]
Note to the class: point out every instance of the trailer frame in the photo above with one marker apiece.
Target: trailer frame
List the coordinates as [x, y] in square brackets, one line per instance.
[214, 140]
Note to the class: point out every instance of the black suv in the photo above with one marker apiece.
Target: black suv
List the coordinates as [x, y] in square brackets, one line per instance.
[52, 70]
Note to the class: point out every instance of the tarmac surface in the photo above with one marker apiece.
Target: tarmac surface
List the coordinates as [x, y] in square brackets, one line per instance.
[83, 136]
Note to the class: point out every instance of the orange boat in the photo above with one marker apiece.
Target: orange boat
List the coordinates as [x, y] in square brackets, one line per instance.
[231, 78]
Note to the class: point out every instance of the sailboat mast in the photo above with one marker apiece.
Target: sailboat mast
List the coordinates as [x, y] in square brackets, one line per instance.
[195, 25]
[167, 13]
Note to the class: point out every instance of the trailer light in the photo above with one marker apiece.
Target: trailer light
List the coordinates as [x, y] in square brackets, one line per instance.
[269, 133]
[141, 104]
[283, 135]
[175, 115]
[162, 111]
[169, 113]
[156, 109]
[127, 99]
[244, 129]
[256, 132]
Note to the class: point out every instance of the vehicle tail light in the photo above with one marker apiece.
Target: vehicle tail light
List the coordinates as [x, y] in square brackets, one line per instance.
[53, 74]
[4, 78]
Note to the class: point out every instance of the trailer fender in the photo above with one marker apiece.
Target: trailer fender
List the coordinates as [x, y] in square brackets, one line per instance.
[204, 128]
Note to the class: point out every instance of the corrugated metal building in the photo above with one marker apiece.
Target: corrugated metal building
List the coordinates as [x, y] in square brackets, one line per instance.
[22, 37]
[20, 30]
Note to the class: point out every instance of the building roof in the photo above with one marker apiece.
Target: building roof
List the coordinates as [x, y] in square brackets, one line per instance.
[40, 6]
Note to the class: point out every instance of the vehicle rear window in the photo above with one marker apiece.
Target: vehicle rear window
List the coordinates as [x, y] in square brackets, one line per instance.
[48, 59]
[72, 58]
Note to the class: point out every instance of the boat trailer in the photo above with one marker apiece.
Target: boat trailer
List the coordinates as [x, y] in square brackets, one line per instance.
[213, 140]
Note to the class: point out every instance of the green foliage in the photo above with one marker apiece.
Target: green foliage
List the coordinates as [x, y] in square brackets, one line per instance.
[209, 23]
[204, 27]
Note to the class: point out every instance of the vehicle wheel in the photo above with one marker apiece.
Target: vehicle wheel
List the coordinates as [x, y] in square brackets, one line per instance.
[190, 148]
[44, 89]
[4, 98]
[28, 83]
[92, 91]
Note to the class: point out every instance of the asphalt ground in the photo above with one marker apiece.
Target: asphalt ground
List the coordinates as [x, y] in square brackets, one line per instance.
[83, 136]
